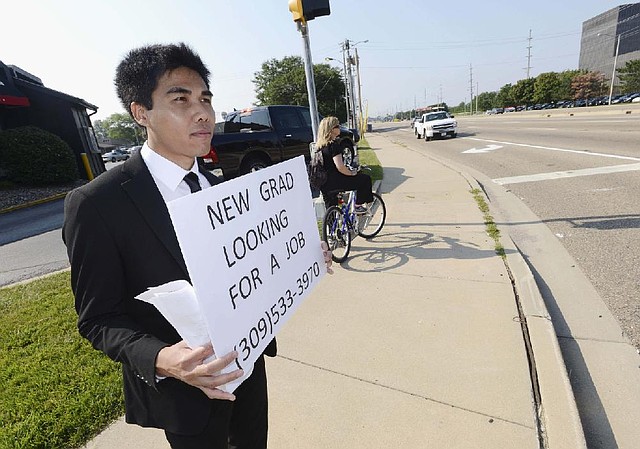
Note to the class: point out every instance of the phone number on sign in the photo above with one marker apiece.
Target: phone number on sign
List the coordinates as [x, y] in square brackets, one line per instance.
[264, 326]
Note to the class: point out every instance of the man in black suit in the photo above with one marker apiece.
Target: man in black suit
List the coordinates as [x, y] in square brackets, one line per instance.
[120, 241]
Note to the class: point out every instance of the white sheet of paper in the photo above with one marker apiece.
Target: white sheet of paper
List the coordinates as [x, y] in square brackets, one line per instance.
[177, 302]
[252, 249]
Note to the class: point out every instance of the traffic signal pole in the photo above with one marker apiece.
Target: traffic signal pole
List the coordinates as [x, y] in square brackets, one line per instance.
[303, 27]
[303, 11]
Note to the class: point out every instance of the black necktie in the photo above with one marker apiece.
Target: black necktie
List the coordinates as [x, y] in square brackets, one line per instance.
[192, 181]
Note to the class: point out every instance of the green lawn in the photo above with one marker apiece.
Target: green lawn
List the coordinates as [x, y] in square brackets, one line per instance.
[368, 157]
[56, 390]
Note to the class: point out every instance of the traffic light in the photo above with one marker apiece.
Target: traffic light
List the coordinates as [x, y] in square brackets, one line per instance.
[295, 6]
[305, 10]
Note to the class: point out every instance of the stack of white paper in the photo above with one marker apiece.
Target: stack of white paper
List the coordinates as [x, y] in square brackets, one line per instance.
[177, 302]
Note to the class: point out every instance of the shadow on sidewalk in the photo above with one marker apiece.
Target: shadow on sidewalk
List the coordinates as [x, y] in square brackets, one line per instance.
[390, 250]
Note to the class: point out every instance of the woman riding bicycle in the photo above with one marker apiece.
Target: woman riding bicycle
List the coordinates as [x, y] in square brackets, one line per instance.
[339, 176]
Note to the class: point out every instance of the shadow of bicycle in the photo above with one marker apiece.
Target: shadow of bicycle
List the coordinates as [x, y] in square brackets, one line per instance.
[390, 250]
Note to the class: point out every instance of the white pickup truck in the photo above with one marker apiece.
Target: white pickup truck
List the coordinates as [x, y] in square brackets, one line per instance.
[436, 124]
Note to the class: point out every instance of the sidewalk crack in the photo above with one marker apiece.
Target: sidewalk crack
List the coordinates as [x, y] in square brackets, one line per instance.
[408, 393]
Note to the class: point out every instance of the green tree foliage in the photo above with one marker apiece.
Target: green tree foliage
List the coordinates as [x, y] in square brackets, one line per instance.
[630, 76]
[546, 87]
[564, 91]
[120, 126]
[33, 156]
[487, 100]
[283, 82]
[588, 85]
[522, 91]
[99, 130]
[505, 96]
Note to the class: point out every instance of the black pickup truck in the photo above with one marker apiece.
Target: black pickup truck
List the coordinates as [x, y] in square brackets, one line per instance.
[254, 138]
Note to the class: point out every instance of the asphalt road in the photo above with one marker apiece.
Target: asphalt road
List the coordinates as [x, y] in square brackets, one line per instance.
[579, 174]
[24, 223]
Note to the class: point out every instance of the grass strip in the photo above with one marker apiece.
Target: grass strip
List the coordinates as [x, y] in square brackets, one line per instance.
[492, 228]
[368, 157]
[57, 391]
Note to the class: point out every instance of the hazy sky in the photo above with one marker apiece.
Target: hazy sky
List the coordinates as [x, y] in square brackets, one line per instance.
[417, 49]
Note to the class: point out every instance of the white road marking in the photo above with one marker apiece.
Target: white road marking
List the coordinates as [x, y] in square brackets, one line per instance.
[567, 174]
[564, 150]
[482, 150]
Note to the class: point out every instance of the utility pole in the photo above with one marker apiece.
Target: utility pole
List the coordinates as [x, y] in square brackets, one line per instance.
[470, 90]
[352, 100]
[361, 121]
[529, 56]
[477, 92]
[347, 90]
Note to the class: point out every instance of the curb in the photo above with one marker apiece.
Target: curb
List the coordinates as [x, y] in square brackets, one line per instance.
[559, 424]
[559, 420]
[33, 203]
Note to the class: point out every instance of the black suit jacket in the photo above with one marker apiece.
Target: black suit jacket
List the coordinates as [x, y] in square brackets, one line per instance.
[120, 241]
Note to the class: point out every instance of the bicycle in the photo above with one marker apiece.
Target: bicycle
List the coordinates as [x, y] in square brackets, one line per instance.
[341, 223]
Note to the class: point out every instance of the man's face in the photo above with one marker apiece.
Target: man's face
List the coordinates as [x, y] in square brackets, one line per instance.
[180, 125]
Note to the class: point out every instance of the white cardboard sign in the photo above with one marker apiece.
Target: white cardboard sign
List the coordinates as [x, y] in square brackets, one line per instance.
[252, 249]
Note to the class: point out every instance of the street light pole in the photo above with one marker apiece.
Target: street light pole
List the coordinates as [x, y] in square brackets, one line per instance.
[613, 75]
[346, 86]
[615, 62]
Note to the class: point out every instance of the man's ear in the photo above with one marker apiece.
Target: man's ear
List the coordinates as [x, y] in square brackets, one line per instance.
[139, 113]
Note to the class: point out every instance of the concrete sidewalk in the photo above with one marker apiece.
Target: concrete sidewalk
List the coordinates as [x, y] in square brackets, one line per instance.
[420, 339]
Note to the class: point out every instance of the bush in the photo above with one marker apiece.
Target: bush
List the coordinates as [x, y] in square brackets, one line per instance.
[33, 156]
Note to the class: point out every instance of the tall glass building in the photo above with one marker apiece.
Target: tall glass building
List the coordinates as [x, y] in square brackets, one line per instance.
[600, 36]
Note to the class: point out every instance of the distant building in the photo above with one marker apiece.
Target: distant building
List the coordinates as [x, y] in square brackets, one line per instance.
[600, 37]
[24, 100]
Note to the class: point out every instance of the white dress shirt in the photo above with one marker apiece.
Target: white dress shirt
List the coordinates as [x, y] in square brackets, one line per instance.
[168, 176]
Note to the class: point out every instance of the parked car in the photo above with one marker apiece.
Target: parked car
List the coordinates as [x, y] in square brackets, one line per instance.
[115, 155]
[133, 150]
[632, 96]
[257, 137]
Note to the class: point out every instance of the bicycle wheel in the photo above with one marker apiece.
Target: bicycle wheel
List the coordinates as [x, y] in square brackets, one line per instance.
[336, 233]
[371, 222]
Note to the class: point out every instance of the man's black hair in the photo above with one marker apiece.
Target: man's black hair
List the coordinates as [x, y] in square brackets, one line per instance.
[138, 74]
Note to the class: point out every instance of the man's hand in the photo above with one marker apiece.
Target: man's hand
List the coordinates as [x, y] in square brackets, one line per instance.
[326, 253]
[186, 364]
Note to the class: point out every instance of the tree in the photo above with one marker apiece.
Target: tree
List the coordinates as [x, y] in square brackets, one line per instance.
[99, 130]
[546, 87]
[522, 91]
[564, 91]
[487, 100]
[505, 96]
[120, 126]
[588, 85]
[630, 76]
[283, 82]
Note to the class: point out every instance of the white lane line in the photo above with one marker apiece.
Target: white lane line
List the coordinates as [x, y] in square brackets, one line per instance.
[564, 150]
[567, 174]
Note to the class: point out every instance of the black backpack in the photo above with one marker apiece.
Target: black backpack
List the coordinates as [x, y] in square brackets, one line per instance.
[317, 173]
